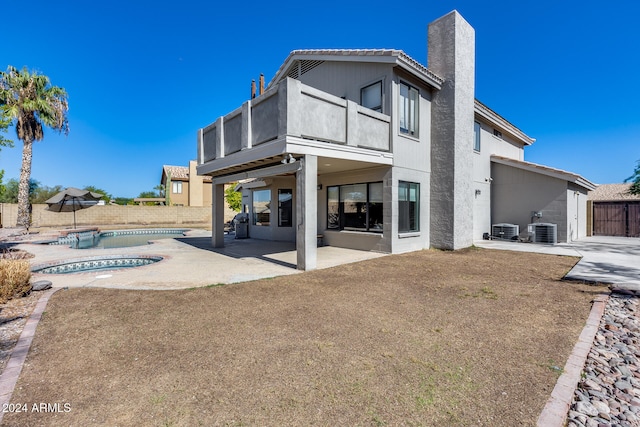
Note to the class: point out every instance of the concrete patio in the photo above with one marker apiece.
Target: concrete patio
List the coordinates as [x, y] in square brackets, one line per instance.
[189, 261]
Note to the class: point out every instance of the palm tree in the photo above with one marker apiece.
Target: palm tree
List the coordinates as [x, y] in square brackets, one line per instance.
[28, 99]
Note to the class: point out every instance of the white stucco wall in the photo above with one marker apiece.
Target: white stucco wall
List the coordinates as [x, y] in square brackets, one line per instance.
[489, 145]
[411, 241]
[516, 193]
[273, 231]
[369, 241]
[576, 212]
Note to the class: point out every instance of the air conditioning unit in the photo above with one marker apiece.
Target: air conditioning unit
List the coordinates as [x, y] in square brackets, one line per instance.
[505, 231]
[543, 233]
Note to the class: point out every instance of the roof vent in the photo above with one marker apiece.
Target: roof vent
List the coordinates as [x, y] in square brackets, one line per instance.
[300, 67]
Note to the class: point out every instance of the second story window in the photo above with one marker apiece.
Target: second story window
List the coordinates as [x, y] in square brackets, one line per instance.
[408, 109]
[371, 96]
[476, 136]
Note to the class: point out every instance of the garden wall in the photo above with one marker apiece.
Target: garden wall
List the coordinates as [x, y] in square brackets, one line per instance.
[115, 215]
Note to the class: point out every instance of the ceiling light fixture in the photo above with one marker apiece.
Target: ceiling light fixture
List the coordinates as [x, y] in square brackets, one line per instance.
[289, 159]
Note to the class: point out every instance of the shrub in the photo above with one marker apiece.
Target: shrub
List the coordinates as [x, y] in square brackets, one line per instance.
[14, 278]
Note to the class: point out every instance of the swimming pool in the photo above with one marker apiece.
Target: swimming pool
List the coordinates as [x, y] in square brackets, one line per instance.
[116, 238]
[83, 265]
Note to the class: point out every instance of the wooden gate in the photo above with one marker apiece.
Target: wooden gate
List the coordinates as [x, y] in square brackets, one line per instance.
[616, 219]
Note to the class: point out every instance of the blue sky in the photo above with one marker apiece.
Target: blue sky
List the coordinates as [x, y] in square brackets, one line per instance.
[142, 76]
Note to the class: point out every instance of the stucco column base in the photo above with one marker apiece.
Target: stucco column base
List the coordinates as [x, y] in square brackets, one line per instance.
[307, 213]
[217, 216]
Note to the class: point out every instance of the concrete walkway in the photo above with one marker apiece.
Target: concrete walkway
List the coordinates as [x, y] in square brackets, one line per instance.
[611, 260]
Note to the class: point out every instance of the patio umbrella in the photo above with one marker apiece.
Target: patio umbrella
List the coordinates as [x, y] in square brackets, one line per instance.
[72, 200]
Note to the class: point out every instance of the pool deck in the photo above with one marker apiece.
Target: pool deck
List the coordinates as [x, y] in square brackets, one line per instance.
[189, 262]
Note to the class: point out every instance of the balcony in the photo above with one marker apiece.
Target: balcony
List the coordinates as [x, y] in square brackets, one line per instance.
[294, 112]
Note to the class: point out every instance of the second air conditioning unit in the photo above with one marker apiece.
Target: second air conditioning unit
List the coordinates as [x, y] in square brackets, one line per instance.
[543, 232]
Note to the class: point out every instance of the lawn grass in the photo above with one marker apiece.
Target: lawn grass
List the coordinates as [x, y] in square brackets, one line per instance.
[430, 338]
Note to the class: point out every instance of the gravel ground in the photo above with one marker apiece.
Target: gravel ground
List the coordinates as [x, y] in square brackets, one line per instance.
[609, 392]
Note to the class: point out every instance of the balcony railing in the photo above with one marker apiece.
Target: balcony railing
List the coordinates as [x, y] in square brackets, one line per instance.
[292, 109]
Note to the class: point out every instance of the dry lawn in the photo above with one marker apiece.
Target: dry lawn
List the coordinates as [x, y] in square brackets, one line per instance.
[467, 338]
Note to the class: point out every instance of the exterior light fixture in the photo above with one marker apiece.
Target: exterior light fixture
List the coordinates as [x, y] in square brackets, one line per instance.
[289, 159]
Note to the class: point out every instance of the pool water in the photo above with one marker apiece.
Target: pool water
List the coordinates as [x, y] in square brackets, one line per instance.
[118, 238]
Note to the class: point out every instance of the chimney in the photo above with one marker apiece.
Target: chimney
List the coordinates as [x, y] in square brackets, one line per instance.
[261, 83]
[253, 89]
[451, 55]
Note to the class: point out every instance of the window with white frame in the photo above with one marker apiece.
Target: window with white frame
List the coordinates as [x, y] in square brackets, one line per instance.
[408, 109]
[476, 136]
[356, 207]
[176, 187]
[371, 96]
[408, 207]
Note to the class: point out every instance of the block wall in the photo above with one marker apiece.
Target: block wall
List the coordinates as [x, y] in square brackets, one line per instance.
[115, 215]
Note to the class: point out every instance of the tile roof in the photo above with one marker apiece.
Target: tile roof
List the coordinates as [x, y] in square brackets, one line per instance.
[612, 192]
[359, 54]
[180, 172]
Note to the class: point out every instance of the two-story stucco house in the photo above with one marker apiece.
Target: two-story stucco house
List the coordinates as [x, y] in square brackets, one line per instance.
[184, 186]
[375, 151]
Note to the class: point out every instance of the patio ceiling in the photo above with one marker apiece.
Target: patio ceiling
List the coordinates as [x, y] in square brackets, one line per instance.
[273, 166]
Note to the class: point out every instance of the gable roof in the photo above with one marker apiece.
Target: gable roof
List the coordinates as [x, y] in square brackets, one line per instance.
[300, 61]
[612, 193]
[180, 173]
[176, 172]
[498, 121]
[545, 170]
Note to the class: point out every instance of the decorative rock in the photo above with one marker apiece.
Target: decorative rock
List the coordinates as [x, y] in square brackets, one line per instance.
[602, 407]
[624, 371]
[609, 393]
[41, 285]
[592, 423]
[623, 385]
[586, 408]
[591, 385]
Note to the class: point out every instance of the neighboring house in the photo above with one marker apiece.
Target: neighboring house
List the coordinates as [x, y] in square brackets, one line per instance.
[374, 151]
[615, 211]
[184, 187]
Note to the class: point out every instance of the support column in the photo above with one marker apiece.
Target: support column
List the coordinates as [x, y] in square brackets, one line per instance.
[217, 216]
[307, 213]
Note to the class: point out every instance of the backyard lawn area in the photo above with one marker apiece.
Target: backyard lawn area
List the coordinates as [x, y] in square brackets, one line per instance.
[475, 337]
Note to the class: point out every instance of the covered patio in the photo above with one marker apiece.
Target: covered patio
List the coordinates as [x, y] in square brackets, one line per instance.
[297, 131]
